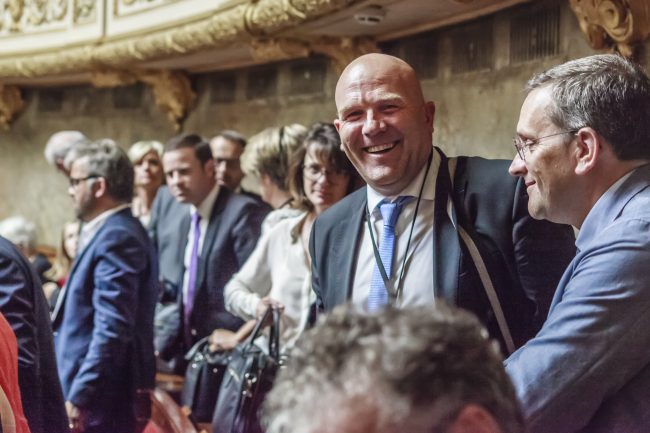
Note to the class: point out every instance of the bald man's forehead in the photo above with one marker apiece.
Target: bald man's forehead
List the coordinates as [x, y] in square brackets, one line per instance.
[362, 83]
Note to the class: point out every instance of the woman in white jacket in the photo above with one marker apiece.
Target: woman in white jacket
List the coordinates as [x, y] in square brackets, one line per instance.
[278, 271]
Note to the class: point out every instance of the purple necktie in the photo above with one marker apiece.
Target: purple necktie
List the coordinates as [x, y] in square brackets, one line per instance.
[194, 265]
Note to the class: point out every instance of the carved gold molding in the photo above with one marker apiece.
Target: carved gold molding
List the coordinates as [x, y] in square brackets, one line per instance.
[341, 51]
[171, 90]
[258, 18]
[617, 25]
[11, 103]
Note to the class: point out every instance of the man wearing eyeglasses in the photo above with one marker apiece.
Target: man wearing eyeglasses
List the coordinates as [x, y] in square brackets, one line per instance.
[428, 227]
[583, 150]
[227, 147]
[103, 319]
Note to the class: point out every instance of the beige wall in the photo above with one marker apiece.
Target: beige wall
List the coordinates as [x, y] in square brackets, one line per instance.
[476, 114]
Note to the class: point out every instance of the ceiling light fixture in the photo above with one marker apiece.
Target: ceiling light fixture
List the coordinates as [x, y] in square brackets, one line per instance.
[370, 15]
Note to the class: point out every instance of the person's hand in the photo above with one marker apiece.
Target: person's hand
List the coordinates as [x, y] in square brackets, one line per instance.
[222, 339]
[75, 418]
[265, 303]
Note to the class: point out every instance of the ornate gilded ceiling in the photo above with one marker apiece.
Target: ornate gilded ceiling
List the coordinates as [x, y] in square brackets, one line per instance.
[119, 42]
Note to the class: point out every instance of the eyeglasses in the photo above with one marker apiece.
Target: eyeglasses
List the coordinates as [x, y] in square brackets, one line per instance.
[76, 181]
[314, 172]
[523, 145]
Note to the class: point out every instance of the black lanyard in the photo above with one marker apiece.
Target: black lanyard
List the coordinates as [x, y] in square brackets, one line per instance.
[394, 294]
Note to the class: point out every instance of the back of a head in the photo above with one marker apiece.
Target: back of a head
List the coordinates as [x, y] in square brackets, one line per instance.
[607, 92]
[60, 143]
[104, 158]
[401, 370]
[19, 231]
[269, 153]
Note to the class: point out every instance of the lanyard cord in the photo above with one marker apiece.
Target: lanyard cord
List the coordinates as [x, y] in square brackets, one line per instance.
[394, 294]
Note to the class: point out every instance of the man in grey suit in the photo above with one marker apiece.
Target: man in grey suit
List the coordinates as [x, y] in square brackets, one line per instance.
[464, 234]
[215, 232]
[583, 150]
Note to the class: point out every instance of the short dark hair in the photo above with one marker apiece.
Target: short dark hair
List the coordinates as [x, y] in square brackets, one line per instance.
[398, 361]
[106, 159]
[234, 136]
[191, 141]
[325, 141]
[606, 92]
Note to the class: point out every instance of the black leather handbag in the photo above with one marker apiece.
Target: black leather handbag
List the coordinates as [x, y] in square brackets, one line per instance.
[203, 376]
[249, 377]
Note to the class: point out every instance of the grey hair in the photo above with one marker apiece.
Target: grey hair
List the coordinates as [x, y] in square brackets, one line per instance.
[401, 363]
[60, 143]
[605, 92]
[104, 158]
[19, 231]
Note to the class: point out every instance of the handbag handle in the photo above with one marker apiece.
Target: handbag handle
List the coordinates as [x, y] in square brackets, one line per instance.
[274, 339]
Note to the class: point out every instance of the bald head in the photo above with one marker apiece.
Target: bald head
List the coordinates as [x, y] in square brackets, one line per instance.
[375, 68]
[384, 122]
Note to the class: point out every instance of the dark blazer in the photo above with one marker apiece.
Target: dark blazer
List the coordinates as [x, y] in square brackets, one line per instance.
[167, 215]
[104, 324]
[23, 304]
[231, 236]
[524, 257]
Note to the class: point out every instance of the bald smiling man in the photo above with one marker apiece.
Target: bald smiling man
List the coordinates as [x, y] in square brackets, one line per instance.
[427, 226]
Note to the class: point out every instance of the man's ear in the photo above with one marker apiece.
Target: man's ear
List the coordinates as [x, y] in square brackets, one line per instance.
[474, 419]
[210, 168]
[100, 187]
[589, 146]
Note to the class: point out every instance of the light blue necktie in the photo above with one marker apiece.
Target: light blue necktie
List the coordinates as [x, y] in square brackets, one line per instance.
[378, 296]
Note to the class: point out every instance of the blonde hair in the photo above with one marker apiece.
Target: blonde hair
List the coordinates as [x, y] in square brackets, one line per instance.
[138, 150]
[270, 153]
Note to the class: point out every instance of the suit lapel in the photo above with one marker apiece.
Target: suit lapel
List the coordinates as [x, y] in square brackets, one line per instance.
[348, 233]
[446, 245]
[210, 236]
[57, 314]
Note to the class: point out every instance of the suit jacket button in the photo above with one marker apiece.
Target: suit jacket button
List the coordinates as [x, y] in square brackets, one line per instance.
[193, 332]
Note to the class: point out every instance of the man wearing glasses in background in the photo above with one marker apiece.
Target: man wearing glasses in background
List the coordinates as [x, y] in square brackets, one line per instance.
[583, 151]
[103, 319]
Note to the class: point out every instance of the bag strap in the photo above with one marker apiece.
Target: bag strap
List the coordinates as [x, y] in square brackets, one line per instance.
[274, 338]
[481, 268]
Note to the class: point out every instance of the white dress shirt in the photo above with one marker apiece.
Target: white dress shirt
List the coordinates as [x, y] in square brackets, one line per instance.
[417, 282]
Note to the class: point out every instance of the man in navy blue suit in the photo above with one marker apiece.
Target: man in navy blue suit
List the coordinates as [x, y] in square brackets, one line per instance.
[104, 317]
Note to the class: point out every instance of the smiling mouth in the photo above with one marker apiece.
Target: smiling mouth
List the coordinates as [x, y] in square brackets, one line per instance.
[381, 148]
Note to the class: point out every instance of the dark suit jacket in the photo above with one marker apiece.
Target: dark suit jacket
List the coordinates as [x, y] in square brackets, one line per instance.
[167, 215]
[104, 323]
[231, 236]
[23, 304]
[524, 257]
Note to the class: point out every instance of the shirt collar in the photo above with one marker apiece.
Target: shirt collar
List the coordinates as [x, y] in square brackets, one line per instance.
[205, 208]
[89, 229]
[606, 209]
[413, 188]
